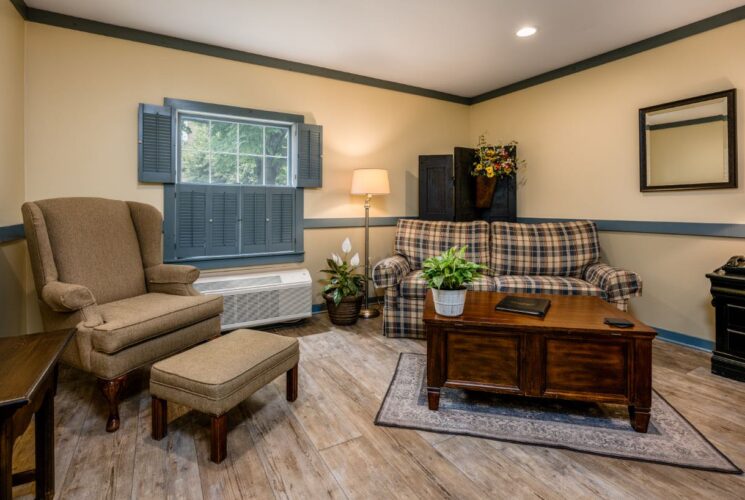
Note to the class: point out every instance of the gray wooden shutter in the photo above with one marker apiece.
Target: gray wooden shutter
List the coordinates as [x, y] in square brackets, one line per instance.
[309, 155]
[253, 220]
[222, 209]
[191, 221]
[281, 227]
[155, 144]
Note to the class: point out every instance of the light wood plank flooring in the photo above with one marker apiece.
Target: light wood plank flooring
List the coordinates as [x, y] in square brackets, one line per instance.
[325, 444]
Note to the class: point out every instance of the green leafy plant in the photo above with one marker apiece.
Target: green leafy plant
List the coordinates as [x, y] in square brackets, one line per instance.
[342, 280]
[451, 270]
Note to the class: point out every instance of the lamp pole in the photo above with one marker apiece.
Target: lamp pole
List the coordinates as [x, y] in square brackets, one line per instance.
[367, 312]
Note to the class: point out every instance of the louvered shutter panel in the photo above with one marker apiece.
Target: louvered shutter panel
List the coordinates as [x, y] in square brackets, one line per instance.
[222, 209]
[253, 220]
[281, 219]
[191, 221]
[310, 155]
[155, 144]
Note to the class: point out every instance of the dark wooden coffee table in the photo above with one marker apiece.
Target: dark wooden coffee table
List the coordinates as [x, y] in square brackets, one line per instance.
[28, 382]
[570, 354]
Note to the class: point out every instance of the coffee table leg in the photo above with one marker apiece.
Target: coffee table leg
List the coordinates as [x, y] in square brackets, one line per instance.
[44, 436]
[639, 418]
[433, 397]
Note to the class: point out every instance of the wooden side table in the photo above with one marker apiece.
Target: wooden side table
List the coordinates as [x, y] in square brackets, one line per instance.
[28, 381]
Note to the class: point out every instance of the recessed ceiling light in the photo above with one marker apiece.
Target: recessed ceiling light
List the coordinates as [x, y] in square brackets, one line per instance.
[526, 31]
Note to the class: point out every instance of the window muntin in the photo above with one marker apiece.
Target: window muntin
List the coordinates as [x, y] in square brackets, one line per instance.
[215, 150]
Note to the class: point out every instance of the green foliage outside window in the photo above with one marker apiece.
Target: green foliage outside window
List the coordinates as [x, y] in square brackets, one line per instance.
[225, 152]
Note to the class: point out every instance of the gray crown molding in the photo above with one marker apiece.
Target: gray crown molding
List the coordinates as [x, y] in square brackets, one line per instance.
[710, 23]
[86, 25]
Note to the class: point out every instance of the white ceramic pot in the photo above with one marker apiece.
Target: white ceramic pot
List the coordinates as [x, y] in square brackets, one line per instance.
[449, 302]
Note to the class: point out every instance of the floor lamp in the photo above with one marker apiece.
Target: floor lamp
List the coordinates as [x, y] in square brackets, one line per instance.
[368, 182]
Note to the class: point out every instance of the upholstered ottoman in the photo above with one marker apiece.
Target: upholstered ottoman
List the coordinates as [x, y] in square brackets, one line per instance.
[215, 376]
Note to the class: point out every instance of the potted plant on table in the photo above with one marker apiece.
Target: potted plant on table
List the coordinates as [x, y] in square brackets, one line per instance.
[343, 290]
[491, 163]
[447, 275]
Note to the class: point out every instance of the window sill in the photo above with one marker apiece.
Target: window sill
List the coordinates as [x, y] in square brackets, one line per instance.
[240, 261]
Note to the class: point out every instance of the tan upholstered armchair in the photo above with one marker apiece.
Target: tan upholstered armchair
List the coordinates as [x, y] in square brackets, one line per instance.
[98, 267]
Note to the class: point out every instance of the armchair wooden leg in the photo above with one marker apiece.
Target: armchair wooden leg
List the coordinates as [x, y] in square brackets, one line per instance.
[292, 376]
[159, 418]
[111, 390]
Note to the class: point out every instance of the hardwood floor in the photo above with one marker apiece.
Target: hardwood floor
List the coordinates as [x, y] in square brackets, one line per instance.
[326, 445]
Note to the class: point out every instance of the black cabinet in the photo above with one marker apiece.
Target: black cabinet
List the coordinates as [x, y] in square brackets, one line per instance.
[447, 190]
[728, 291]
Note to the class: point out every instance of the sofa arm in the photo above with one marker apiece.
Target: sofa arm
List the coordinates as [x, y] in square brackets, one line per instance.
[389, 272]
[65, 297]
[619, 285]
[171, 279]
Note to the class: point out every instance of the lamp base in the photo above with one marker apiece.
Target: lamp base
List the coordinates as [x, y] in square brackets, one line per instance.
[369, 313]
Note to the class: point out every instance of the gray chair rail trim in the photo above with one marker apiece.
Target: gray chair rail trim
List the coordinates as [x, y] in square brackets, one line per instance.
[711, 229]
[11, 233]
[329, 223]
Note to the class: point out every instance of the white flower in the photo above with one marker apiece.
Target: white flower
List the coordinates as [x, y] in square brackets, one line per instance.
[337, 260]
[355, 260]
[346, 246]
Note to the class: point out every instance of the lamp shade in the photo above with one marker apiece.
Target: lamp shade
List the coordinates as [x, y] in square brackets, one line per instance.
[370, 181]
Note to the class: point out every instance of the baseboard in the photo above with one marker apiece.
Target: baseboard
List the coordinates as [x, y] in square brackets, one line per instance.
[684, 340]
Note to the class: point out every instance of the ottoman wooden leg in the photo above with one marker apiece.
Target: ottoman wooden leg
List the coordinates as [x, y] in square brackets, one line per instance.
[292, 375]
[219, 438]
[159, 418]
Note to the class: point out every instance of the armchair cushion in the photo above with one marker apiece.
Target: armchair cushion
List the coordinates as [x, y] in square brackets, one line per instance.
[64, 297]
[619, 285]
[133, 320]
[557, 285]
[414, 286]
[389, 272]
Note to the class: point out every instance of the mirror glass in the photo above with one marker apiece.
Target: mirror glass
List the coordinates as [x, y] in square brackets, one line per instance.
[686, 144]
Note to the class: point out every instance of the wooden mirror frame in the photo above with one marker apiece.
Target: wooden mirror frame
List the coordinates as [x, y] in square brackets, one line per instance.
[729, 95]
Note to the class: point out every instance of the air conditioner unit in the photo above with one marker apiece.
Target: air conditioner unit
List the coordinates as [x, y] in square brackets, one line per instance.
[260, 298]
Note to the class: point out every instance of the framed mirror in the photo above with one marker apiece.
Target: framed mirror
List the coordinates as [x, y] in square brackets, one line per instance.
[689, 144]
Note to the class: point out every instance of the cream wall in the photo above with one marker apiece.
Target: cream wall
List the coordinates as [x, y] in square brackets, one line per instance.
[12, 255]
[82, 94]
[579, 135]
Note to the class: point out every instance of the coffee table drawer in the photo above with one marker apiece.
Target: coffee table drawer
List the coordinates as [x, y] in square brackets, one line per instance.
[478, 359]
[582, 366]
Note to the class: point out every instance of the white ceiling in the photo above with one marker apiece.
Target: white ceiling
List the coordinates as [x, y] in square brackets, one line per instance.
[463, 47]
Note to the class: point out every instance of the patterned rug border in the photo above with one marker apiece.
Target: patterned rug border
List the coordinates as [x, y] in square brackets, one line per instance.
[736, 470]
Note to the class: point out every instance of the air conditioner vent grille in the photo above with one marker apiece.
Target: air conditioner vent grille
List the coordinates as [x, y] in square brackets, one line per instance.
[261, 299]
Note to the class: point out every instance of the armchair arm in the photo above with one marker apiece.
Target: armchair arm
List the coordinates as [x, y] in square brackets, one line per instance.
[65, 297]
[619, 285]
[390, 271]
[171, 279]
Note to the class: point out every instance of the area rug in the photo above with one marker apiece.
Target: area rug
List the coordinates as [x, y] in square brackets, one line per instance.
[585, 427]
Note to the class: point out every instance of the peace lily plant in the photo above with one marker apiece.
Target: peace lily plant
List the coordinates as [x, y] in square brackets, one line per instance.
[343, 289]
[447, 275]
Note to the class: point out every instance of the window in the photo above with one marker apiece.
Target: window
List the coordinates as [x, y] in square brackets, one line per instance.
[222, 151]
[235, 195]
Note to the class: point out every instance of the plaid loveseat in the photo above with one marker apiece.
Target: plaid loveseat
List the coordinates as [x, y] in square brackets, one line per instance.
[554, 258]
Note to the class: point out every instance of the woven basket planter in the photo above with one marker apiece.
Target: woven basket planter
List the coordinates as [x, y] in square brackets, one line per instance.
[347, 312]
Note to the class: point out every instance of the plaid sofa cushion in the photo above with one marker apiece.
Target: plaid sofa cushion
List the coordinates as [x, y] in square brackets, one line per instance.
[414, 286]
[619, 285]
[418, 240]
[556, 285]
[549, 249]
